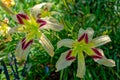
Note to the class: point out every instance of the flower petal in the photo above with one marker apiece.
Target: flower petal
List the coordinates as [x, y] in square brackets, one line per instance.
[62, 62]
[65, 42]
[16, 29]
[47, 45]
[88, 31]
[69, 56]
[81, 32]
[13, 30]
[41, 22]
[88, 51]
[81, 65]
[98, 54]
[101, 40]
[81, 37]
[52, 24]
[21, 53]
[104, 61]
[25, 44]
[36, 10]
[19, 17]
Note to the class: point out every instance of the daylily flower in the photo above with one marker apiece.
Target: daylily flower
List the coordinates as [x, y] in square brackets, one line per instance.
[32, 28]
[41, 10]
[86, 44]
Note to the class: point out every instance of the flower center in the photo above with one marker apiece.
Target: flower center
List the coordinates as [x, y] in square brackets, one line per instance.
[31, 28]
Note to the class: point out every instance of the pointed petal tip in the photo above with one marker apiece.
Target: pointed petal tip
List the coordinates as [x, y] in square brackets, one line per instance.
[106, 62]
[112, 63]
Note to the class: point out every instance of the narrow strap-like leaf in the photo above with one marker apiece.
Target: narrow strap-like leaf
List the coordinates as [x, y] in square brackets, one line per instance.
[5, 70]
[10, 60]
[15, 71]
[16, 68]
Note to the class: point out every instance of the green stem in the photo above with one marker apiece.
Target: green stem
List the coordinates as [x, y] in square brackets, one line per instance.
[6, 8]
[51, 60]
[61, 74]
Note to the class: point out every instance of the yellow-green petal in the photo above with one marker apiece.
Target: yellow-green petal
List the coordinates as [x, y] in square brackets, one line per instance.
[81, 65]
[88, 51]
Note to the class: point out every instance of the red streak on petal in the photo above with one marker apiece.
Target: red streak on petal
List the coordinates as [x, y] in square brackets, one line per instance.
[42, 22]
[86, 38]
[96, 57]
[23, 39]
[69, 53]
[81, 37]
[24, 44]
[20, 17]
[97, 52]
[24, 16]
[69, 57]
[27, 44]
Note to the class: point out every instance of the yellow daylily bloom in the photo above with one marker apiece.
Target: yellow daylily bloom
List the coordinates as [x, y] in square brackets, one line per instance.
[86, 44]
[4, 28]
[9, 3]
